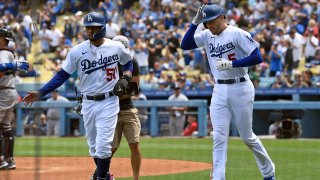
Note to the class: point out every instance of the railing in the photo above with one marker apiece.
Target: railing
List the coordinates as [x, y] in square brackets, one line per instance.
[310, 121]
[152, 104]
[45, 105]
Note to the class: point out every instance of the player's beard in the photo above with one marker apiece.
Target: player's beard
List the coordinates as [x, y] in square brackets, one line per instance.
[92, 39]
[218, 29]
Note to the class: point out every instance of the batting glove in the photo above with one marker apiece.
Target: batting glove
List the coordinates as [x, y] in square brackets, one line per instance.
[223, 64]
[21, 66]
[198, 18]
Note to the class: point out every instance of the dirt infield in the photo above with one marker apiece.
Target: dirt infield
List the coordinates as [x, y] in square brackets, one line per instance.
[74, 168]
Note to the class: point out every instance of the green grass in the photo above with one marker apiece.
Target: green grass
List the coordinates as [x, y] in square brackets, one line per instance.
[295, 159]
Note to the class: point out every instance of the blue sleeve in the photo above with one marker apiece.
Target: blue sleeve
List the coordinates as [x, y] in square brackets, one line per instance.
[6, 67]
[251, 60]
[57, 80]
[188, 40]
[128, 66]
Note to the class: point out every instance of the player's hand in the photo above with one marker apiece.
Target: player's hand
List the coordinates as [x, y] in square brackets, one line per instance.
[31, 97]
[198, 18]
[21, 66]
[223, 64]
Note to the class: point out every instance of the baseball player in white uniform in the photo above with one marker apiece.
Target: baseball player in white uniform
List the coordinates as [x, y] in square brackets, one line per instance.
[230, 51]
[96, 62]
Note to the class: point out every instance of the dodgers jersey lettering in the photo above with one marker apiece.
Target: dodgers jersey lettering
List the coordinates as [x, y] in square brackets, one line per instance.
[232, 44]
[97, 67]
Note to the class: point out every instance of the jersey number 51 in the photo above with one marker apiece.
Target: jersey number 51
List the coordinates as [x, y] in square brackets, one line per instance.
[111, 73]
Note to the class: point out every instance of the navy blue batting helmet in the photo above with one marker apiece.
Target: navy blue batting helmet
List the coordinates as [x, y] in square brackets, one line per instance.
[211, 12]
[95, 19]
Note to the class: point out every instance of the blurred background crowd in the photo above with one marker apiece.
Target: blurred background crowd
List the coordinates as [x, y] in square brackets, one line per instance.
[287, 30]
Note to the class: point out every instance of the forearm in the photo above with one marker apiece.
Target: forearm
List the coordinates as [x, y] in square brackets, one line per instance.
[54, 83]
[7, 66]
[188, 40]
[251, 60]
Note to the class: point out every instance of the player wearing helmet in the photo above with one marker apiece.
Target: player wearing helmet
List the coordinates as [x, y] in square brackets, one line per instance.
[230, 52]
[96, 62]
[128, 122]
[8, 98]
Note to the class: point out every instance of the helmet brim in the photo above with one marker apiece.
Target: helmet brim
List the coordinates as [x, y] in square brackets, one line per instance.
[92, 24]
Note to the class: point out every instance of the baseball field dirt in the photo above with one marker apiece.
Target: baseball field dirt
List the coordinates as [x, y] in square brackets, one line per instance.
[60, 168]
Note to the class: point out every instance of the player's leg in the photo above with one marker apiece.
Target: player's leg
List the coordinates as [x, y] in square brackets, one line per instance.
[105, 133]
[242, 107]
[8, 139]
[3, 162]
[132, 129]
[220, 119]
[117, 133]
[90, 128]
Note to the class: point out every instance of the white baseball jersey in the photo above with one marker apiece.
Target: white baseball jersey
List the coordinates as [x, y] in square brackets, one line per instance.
[232, 101]
[97, 66]
[232, 44]
[97, 69]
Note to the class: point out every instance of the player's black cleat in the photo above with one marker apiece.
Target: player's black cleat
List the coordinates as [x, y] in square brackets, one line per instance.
[94, 176]
[11, 164]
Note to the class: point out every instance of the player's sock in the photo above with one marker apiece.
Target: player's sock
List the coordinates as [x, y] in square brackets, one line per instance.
[8, 143]
[102, 166]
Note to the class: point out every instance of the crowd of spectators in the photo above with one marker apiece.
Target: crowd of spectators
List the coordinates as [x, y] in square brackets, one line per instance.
[287, 30]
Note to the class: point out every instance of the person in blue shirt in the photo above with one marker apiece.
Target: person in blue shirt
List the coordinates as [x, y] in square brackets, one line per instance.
[275, 60]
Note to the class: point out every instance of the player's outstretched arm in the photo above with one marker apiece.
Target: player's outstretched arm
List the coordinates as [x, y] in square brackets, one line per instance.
[57, 80]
